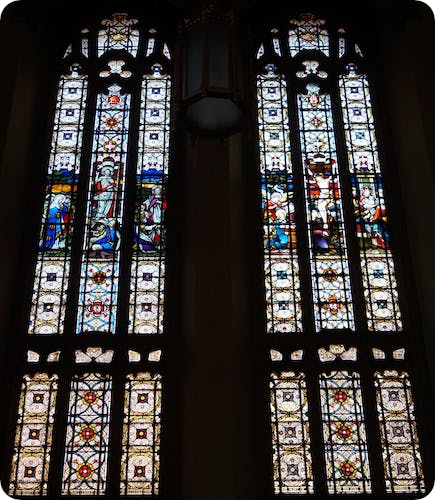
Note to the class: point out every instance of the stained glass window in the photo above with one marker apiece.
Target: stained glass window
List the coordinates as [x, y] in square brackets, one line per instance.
[292, 466]
[141, 435]
[120, 34]
[53, 265]
[347, 463]
[400, 447]
[330, 272]
[379, 278]
[34, 435]
[103, 280]
[101, 251]
[308, 33]
[327, 232]
[87, 436]
[281, 260]
[148, 268]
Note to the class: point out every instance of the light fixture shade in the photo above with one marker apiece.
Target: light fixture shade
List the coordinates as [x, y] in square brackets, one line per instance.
[210, 90]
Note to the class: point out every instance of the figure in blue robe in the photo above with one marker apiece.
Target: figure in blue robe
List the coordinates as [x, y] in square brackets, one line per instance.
[107, 238]
[57, 215]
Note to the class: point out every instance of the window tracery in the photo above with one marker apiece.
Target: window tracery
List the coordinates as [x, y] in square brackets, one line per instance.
[74, 409]
[321, 177]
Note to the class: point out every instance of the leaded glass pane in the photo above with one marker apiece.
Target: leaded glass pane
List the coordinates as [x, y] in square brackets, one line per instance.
[292, 469]
[52, 272]
[101, 248]
[403, 468]
[148, 267]
[87, 435]
[33, 435]
[280, 251]
[347, 462]
[119, 34]
[140, 461]
[308, 33]
[333, 308]
[379, 279]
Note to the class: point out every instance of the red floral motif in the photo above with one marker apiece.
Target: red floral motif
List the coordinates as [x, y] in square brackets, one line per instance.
[90, 397]
[110, 146]
[341, 396]
[99, 278]
[113, 99]
[87, 433]
[333, 305]
[344, 432]
[97, 307]
[85, 471]
[330, 275]
[348, 469]
[112, 122]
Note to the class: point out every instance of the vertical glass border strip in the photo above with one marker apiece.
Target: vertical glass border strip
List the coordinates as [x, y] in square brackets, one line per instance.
[140, 462]
[281, 268]
[308, 33]
[332, 296]
[148, 266]
[87, 437]
[33, 435]
[98, 293]
[379, 279]
[292, 467]
[53, 265]
[400, 447]
[344, 434]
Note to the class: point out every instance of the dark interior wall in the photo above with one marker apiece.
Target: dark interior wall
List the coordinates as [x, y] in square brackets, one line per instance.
[219, 311]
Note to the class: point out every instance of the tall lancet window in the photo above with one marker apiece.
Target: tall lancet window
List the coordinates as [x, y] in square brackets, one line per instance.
[345, 418]
[89, 402]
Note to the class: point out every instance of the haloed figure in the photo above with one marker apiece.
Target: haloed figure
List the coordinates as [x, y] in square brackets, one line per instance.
[55, 225]
[148, 232]
[105, 184]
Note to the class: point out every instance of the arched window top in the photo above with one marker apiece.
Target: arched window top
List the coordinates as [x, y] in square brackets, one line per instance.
[118, 40]
[307, 35]
[118, 33]
[100, 271]
[331, 268]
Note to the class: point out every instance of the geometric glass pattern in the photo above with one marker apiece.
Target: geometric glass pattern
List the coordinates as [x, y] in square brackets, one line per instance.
[292, 467]
[118, 247]
[347, 463]
[148, 266]
[118, 35]
[280, 263]
[329, 267]
[377, 265]
[33, 436]
[87, 437]
[141, 435]
[333, 307]
[53, 265]
[400, 448]
[101, 248]
[308, 35]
